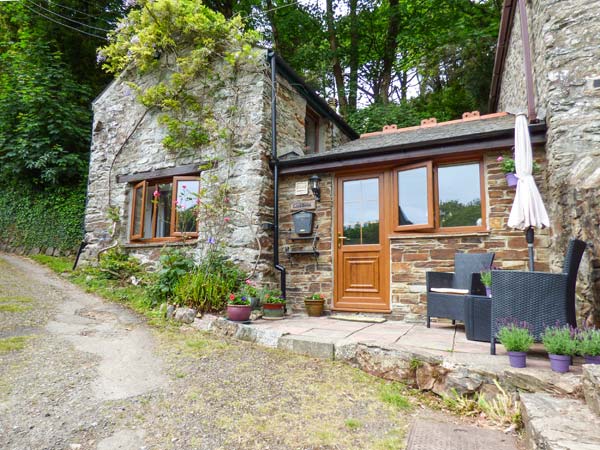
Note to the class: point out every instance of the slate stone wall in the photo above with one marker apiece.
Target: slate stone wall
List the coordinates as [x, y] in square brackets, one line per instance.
[566, 59]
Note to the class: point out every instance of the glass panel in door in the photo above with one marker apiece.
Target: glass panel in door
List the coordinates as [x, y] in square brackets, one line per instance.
[361, 212]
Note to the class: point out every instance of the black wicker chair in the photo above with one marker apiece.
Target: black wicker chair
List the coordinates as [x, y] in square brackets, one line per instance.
[538, 298]
[451, 306]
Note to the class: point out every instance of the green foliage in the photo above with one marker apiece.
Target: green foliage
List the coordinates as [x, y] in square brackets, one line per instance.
[507, 165]
[208, 287]
[559, 340]
[393, 394]
[271, 296]
[51, 218]
[174, 264]
[316, 296]
[192, 37]
[353, 424]
[515, 338]
[486, 278]
[115, 264]
[588, 342]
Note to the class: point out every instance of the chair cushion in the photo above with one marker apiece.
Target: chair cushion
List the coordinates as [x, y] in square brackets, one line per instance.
[450, 291]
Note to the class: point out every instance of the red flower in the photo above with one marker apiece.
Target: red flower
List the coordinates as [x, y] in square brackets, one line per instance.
[321, 296]
[231, 297]
[226, 219]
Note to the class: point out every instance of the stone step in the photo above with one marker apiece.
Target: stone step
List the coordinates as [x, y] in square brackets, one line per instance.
[591, 386]
[553, 423]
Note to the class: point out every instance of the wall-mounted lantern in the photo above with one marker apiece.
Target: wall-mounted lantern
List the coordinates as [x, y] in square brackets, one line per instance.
[315, 186]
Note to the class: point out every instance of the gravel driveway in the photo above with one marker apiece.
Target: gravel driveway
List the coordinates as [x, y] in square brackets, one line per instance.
[80, 373]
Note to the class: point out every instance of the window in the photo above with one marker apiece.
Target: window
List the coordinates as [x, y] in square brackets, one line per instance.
[311, 132]
[431, 196]
[165, 208]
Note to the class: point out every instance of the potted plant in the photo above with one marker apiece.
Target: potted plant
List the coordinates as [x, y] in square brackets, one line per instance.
[486, 280]
[588, 344]
[273, 304]
[249, 291]
[507, 165]
[561, 345]
[516, 337]
[238, 308]
[314, 305]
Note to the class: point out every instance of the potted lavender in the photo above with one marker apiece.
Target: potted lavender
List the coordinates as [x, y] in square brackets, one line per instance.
[561, 345]
[517, 338]
[486, 280]
[588, 345]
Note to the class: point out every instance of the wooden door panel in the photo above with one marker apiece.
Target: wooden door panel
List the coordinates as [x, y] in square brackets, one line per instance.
[361, 273]
[361, 248]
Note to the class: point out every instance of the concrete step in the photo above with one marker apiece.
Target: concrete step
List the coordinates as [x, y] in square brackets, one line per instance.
[553, 423]
[591, 386]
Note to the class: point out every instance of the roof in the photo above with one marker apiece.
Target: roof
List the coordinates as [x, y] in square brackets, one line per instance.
[508, 14]
[315, 101]
[475, 133]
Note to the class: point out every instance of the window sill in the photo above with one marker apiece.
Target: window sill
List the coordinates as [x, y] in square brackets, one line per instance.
[442, 234]
[158, 244]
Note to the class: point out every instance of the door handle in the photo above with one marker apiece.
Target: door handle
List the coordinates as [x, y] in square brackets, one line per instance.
[340, 239]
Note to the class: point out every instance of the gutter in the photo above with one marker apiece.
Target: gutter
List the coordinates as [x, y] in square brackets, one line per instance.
[273, 59]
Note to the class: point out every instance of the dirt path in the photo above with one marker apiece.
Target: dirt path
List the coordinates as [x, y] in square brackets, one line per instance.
[92, 375]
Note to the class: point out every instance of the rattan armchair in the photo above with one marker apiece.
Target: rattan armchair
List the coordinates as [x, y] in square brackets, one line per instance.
[541, 299]
[451, 306]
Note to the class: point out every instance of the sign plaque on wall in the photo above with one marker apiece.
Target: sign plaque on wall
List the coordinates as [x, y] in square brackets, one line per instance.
[301, 188]
[304, 205]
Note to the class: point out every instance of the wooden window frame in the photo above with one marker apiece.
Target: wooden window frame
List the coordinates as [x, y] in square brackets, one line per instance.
[145, 185]
[433, 197]
[174, 217]
[460, 229]
[430, 225]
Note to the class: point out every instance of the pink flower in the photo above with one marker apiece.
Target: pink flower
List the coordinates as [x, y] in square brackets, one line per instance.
[177, 202]
[500, 159]
[226, 219]
[321, 296]
[184, 187]
[226, 199]
[248, 282]
[156, 193]
[198, 202]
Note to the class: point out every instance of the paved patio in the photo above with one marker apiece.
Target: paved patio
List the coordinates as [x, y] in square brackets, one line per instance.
[443, 339]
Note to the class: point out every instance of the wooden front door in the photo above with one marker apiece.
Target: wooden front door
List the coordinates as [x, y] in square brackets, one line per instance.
[362, 254]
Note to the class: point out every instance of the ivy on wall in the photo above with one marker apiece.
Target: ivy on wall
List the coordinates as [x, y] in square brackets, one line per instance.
[32, 219]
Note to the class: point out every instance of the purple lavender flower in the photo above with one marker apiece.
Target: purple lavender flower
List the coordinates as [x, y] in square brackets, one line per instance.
[212, 240]
[100, 57]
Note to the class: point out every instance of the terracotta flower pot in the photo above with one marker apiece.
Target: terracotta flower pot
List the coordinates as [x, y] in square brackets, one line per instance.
[517, 359]
[560, 363]
[314, 308]
[239, 313]
[273, 310]
[511, 179]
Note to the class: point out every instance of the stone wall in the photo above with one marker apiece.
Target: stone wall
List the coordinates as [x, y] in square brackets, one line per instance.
[513, 94]
[128, 139]
[415, 253]
[566, 60]
[307, 274]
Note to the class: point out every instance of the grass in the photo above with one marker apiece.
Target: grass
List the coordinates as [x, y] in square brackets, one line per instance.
[15, 304]
[58, 264]
[394, 394]
[13, 344]
[353, 424]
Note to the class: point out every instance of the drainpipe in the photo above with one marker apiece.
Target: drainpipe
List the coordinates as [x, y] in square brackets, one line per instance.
[275, 162]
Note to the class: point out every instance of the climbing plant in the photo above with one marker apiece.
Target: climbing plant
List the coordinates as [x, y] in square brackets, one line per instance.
[184, 61]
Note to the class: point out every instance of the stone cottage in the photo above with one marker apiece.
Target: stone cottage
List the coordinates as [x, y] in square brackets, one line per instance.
[140, 195]
[328, 210]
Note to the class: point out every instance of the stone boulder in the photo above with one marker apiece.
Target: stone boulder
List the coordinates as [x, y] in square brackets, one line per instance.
[185, 315]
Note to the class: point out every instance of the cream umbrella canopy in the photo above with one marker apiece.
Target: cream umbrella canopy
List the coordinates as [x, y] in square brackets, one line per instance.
[528, 210]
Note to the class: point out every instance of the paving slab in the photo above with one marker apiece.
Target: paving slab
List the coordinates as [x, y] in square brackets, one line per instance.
[435, 435]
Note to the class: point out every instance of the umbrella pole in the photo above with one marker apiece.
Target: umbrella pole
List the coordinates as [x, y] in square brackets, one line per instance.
[529, 234]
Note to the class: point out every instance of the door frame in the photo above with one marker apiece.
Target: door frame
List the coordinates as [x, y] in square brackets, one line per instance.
[384, 218]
